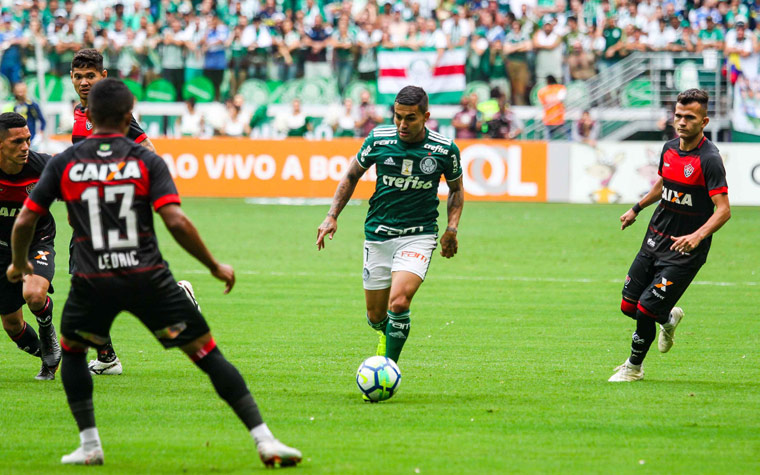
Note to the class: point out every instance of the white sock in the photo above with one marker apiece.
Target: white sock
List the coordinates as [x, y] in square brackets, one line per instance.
[261, 433]
[90, 438]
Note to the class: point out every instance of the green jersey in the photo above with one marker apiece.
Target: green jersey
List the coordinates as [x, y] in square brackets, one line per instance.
[405, 201]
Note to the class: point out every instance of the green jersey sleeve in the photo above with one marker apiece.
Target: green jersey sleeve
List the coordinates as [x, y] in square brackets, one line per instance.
[453, 168]
[365, 157]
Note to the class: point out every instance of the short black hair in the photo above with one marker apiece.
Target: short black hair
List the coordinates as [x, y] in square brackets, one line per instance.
[87, 58]
[694, 95]
[550, 79]
[109, 101]
[11, 120]
[413, 96]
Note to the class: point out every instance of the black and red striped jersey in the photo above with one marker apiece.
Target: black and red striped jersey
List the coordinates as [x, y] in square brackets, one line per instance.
[689, 181]
[14, 190]
[109, 184]
[83, 127]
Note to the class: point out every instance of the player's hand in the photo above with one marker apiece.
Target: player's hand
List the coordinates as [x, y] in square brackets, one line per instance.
[327, 228]
[16, 274]
[628, 218]
[226, 274]
[685, 244]
[449, 244]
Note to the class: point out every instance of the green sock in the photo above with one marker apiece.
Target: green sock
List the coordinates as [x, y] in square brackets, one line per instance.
[396, 333]
[380, 326]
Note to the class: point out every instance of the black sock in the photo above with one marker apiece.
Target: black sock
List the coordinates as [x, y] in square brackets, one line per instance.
[106, 354]
[28, 340]
[230, 386]
[45, 314]
[642, 338]
[77, 382]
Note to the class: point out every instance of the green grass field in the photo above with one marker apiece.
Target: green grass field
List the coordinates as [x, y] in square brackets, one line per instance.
[505, 371]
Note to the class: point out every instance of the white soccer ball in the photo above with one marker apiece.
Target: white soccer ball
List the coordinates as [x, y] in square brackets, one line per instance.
[378, 378]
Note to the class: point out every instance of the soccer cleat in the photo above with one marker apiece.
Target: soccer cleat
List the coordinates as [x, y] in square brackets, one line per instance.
[82, 457]
[50, 350]
[101, 367]
[381, 344]
[188, 288]
[667, 331]
[46, 373]
[627, 372]
[274, 453]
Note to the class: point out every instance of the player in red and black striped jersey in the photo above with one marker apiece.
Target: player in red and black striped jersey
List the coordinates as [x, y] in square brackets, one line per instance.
[86, 71]
[20, 170]
[693, 204]
[109, 184]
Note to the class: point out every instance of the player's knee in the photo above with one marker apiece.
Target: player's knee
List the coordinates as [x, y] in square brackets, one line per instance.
[35, 297]
[399, 304]
[628, 308]
[376, 315]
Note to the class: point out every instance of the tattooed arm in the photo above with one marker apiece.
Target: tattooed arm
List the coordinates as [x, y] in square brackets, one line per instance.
[454, 205]
[148, 144]
[342, 194]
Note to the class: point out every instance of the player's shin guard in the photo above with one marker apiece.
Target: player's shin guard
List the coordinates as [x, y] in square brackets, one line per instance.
[229, 384]
[628, 308]
[77, 382]
[396, 333]
[27, 340]
[643, 337]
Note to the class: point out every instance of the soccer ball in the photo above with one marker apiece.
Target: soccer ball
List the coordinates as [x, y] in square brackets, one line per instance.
[378, 378]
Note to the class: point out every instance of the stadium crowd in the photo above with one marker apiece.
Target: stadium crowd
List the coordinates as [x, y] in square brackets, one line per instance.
[513, 44]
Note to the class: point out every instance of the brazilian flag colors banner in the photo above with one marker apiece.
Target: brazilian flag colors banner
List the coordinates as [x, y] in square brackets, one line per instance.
[442, 75]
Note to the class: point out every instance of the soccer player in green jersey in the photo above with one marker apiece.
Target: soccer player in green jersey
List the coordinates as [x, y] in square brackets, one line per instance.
[401, 226]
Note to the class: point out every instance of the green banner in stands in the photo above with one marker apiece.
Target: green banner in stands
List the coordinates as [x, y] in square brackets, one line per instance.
[201, 88]
[637, 93]
[254, 91]
[5, 89]
[160, 90]
[53, 88]
[134, 87]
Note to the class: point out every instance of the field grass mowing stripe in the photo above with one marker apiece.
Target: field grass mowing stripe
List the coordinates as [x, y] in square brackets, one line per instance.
[346, 275]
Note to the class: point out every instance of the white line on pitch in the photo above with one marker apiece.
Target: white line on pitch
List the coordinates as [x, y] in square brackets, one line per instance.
[502, 278]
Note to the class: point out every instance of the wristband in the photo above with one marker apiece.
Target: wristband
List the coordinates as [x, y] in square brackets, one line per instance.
[451, 229]
[636, 208]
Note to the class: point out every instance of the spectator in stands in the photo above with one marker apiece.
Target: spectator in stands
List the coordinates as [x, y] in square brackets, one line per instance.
[33, 36]
[236, 121]
[740, 51]
[710, 38]
[190, 123]
[343, 119]
[636, 40]
[172, 49]
[517, 44]
[369, 118]
[504, 124]
[343, 45]
[317, 39]
[548, 46]
[465, 122]
[13, 42]
[456, 28]
[65, 42]
[288, 44]
[367, 41]
[294, 122]
[238, 55]
[552, 98]
[30, 110]
[215, 61]
[258, 41]
[614, 45]
[194, 36]
[585, 130]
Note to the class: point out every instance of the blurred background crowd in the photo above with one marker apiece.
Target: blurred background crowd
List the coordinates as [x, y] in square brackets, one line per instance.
[511, 44]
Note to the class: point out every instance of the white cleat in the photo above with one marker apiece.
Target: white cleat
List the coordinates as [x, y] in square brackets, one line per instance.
[188, 288]
[274, 453]
[627, 372]
[100, 367]
[667, 331]
[82, 457]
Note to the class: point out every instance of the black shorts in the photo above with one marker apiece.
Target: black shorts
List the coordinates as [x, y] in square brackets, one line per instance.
[156, 300]
[656, 287]
[42, 257]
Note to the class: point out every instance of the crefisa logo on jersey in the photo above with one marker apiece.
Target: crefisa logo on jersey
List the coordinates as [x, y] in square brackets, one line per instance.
[688, 170]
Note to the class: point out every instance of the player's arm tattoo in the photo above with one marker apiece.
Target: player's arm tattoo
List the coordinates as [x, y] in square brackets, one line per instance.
[148, 144]
[455, 202]
[346, 188]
